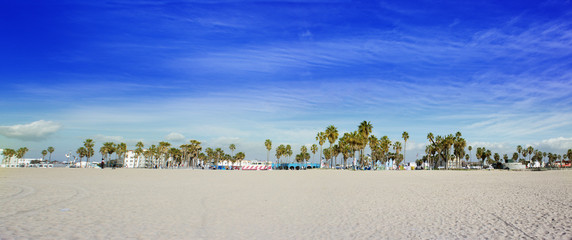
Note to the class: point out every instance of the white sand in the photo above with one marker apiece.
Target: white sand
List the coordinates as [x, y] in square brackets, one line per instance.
[314, 204]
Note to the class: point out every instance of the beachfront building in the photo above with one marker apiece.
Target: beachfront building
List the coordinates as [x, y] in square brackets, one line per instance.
[133, 161]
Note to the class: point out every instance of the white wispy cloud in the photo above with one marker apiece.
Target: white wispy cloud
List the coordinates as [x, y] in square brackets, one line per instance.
[100, 138]
[34, 131]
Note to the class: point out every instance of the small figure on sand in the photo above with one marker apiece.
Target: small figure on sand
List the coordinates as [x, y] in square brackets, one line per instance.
[102, 164]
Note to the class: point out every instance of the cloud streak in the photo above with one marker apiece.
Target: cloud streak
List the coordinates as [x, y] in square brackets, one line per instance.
[34, 131]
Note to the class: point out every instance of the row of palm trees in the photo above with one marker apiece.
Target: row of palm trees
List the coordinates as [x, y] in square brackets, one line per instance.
[21, 152]
[161, 155]
[9, 153]
[447, 150]
[348, 146]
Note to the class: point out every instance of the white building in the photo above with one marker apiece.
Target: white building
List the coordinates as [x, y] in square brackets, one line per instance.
[14, 162]
[133, 161]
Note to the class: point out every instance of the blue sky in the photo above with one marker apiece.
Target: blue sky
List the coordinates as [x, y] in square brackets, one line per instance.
[243, 71]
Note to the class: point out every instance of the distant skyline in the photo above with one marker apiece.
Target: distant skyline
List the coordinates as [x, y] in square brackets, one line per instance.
[240, 72]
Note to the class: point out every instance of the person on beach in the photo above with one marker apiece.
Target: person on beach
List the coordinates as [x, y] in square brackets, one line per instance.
[102, 164]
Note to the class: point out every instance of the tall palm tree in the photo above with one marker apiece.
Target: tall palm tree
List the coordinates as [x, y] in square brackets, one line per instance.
[405, 136]
[288, 152]
[50, 150]
[268, 145]
[139, 152]
[321, 138]
[397, 147]
[470, 149]
[232, 147]
[44, 153]
[519, 150]
[385, 145]
[332, 136]
[103, 152]
[364, 129]
[8, 154]
[280, 151]
[163, 151]
[109, 148]
[303, 151]
[195, 150]
[121, 150]
[314, 149]
[88, 144]
[21, 152]
[81, 152]
[335, 150]
[374, 146]
[530, 150]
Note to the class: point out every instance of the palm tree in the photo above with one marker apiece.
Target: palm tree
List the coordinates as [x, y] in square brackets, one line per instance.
[21, 152]
[530, 150]
[332, 136]
[384, 146]
[8, 154]
[321, 138]
[239, 157]
[109, 148]
[405, 136]
[120, 151]
[88, 144]
[195, 150]
[280, 151]
[314, 149]
[50, 150]
[374, 146]
[288, 151]
[364, 129]
[470, 149]
[303, 151]
[519, 150]
[397, 148]
[459, 145]
[268, 145]
[139, 152]
[44, 153]
[81, 152]
[232, 147]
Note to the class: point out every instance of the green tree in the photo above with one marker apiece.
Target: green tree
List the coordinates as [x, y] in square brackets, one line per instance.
[397, 147]
[50, 150]
[232, 147]
[107, 149]
[195, 149]
[314, 149]
[332, 136]
[268, 145]
[470, 149]
[163, 151]
[8, 154]
[405, 136]
[21, 152]
[364, 130]
[139, 152]
[121, 150]
[44, 153]
[321, 138]
[288, 152]
[303, 151]
[280, 151]
[88, 144]
[81, 153]
[374, 146]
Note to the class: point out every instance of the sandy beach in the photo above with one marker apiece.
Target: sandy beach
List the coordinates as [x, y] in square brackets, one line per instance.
[313, 204]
